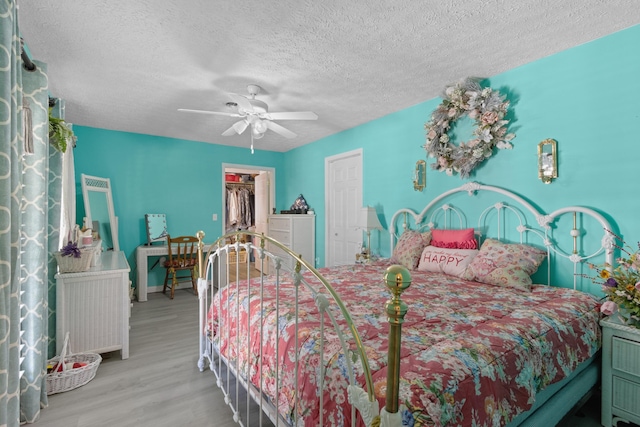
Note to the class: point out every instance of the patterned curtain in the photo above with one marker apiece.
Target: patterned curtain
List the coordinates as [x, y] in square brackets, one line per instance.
[24, 229]
[11, 151]
[37, 264]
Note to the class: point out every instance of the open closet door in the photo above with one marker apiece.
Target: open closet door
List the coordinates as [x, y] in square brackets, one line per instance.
[263, 205]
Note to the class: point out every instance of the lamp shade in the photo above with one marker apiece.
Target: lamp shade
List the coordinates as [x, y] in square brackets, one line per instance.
[369, 219]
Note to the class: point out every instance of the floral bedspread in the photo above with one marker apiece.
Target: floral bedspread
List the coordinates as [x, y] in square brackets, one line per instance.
[472, 354]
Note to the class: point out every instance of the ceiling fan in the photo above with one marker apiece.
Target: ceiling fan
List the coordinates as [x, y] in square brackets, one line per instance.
[255, 114]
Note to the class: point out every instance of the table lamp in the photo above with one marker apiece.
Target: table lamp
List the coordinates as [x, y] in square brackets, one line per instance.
[369, 221]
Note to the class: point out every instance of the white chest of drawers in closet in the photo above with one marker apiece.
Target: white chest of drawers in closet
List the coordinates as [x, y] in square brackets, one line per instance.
[297, 232]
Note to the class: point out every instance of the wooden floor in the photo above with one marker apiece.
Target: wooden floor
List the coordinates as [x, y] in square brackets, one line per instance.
[160, 384]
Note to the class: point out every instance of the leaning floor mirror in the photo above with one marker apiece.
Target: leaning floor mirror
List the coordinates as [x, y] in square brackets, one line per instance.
[99, 212]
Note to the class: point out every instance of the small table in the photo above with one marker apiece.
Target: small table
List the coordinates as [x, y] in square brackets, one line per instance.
[620, 372]
[143, 252]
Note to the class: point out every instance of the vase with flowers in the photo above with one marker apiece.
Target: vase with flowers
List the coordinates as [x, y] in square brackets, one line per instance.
[621, 283]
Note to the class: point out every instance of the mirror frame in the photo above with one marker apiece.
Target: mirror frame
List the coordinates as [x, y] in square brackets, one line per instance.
[547, 161]
[420, 175]
[156, 227]
[100, 185]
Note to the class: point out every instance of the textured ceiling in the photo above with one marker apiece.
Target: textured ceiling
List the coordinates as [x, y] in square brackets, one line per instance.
[129, 65]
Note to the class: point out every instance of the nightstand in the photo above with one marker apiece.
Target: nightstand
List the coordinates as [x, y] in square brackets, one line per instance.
[620, 372]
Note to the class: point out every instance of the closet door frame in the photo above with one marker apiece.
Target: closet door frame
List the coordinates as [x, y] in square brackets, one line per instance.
[227, 167]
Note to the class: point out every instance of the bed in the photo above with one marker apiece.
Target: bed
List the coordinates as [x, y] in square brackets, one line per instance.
[483, 342]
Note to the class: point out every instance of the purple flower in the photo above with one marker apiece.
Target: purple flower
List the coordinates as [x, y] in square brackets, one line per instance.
[611, 283]
[71, 249]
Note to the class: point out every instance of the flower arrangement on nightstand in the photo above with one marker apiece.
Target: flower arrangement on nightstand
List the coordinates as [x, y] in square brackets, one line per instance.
[621, 283]
[620, 335]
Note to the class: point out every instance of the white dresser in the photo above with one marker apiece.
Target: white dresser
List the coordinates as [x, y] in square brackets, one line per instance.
[620, 372]
[297, 232]
[94, 307]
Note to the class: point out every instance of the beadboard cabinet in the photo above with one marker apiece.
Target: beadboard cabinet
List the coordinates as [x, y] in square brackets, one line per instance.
[94, 306]
[295, 231]
[620, 372]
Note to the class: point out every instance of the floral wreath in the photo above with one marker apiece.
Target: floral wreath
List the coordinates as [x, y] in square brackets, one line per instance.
[484, 105]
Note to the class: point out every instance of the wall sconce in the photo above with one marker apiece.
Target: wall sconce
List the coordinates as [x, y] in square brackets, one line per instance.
[420, 175]
[547, 161]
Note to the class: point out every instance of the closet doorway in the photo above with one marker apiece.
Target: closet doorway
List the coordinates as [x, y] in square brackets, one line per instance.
[258, 180]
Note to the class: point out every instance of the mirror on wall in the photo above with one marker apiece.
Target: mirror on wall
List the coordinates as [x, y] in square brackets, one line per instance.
[98, 206]
[547, 161]
[156, 227]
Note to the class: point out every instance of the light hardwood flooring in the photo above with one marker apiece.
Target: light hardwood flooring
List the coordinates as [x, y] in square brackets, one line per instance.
[160, 384]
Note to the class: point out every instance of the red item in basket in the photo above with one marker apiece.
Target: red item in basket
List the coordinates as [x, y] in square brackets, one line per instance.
[58, 367]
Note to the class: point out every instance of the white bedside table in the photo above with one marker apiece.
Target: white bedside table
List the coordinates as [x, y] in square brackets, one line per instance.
[620, 372]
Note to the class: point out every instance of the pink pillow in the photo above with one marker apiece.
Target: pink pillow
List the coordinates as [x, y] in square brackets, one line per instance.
[453, 262]
[409, 248]
[509, 265]
[456, 239]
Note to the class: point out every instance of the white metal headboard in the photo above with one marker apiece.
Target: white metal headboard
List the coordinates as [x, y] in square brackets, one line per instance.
[515, 208]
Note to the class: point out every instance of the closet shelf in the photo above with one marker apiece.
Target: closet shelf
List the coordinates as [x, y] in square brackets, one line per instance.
[240, 184]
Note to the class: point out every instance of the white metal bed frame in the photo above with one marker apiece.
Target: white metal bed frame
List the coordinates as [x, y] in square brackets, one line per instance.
[512, 207]
[362, 398]
[325, 298]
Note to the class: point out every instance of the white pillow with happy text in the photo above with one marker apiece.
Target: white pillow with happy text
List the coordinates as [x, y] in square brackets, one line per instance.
[453, 262]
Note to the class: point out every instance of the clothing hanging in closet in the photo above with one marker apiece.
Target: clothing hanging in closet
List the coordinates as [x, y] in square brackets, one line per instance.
[240, 207]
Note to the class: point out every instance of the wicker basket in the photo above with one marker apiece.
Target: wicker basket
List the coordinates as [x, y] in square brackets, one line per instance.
[68, 379]
[233, 257]
[71, 264]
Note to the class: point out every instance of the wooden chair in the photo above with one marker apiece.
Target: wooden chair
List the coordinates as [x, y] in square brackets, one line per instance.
[183, 256]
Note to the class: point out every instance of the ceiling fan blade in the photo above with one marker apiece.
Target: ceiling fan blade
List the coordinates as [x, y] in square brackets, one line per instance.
[279, 129]
[240, 126]
[217, 113]
[243, 103]
[293, 115]
[237, 128]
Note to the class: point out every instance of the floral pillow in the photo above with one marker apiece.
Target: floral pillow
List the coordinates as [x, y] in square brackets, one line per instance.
[508, 265]
[409, 248]
[453, 262]
[454, 239]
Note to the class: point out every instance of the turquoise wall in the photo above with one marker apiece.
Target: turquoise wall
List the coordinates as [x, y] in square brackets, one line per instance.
[585, 98]
[150, 174]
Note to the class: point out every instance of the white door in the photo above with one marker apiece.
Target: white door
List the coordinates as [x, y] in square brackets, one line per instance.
[343, 175]
[263, 207]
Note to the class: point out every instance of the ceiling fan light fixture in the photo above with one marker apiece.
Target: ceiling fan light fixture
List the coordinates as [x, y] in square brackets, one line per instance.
[260, 126]
[255, 114]
[256, 134]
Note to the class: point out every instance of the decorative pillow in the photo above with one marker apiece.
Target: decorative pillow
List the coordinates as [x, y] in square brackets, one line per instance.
[508, 265]
[453, 262]
[455, 239]
[426, 237]
[409, 248]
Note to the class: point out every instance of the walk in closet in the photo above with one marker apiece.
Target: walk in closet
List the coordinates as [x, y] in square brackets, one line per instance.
[249, 194]
[241, 207]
